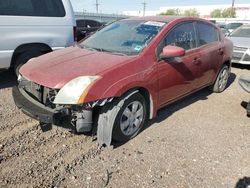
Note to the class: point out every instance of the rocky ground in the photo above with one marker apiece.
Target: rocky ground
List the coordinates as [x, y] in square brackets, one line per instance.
[200, 141]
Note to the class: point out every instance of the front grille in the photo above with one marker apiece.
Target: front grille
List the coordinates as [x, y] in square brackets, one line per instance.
[236, 48]
[246, 58]
[40, 93]
[237, 55]
[33, 89]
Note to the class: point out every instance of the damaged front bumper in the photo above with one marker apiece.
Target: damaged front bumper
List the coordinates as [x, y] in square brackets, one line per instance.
[60, 116]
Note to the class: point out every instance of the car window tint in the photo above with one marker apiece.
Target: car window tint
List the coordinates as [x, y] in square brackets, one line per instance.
[129, 37]
[207, 33]
[80, 23]
[45, 8]
[91, 23]
[182, 36]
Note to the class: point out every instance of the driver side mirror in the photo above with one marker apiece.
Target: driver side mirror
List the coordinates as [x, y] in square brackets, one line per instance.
[169, 52]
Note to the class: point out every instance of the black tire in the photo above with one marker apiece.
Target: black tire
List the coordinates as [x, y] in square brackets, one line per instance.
[112, 113]
[221, 80]
[248, 109]
[24, 58]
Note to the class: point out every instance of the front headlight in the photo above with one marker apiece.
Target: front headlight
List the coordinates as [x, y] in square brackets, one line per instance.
[75, 90]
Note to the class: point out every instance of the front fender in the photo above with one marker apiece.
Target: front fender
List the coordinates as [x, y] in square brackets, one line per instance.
[109, 87]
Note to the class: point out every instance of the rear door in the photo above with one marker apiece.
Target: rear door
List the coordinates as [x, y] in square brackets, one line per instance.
[177, 78]
[211, 51]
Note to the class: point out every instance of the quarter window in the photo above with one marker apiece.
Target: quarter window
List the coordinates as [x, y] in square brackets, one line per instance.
[43, 8]
[207, 33]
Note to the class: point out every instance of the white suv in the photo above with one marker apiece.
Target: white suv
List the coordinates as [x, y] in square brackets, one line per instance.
[29, 28]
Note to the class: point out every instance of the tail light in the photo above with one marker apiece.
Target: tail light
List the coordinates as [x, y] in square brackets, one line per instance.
[75, 33]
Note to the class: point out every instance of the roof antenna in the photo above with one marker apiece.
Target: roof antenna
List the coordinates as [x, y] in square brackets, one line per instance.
[144, 8]
[97, 6]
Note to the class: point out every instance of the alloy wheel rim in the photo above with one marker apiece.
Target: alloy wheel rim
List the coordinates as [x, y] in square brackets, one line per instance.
[223, 79]
[131, 118]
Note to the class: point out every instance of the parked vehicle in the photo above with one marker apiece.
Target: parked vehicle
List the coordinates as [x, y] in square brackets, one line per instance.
[86, 27]
[120, 76]
[241, 40]
[226, 32]
[244, 82]
[232, 26]
[31, 28]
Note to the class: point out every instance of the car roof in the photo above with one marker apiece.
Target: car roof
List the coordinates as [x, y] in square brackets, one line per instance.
[81, 19]
[165, 19]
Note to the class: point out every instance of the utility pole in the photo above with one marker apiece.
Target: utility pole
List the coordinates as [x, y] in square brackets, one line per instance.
[144, 8]
[233, 3]
[233, 10]
[97, 6]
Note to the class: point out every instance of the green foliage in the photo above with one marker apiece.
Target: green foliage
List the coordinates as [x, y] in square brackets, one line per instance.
[191, 12]
[216, 13]
[177, 12]
[226, 13]
[171, 12]
[229, 13]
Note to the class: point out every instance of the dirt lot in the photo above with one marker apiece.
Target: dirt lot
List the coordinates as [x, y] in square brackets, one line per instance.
[200, 141]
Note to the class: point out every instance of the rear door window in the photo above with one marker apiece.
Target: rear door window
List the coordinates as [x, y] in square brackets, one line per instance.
[80, 23]
[91, 23]
[43, 8]
[206, 33]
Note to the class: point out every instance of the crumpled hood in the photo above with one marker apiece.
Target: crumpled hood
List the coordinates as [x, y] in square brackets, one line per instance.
[240, 41]
[55, 69]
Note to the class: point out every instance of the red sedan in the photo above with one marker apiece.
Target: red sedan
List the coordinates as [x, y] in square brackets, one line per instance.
[115, 80]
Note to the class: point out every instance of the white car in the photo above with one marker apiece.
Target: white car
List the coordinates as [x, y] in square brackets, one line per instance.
[29, 28]
[241, 40]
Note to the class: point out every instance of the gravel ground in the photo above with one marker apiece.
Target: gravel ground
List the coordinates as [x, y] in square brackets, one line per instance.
[200, 141]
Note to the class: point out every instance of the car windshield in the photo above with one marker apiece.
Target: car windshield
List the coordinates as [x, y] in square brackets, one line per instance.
[243, 31]
[126, 37]
[233, 25]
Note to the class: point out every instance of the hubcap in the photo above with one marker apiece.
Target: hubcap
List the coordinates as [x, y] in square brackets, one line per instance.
[132, 118]
[223, 79]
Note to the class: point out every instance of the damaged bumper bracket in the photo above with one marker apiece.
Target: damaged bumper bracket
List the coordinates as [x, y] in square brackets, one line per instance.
[34, 109]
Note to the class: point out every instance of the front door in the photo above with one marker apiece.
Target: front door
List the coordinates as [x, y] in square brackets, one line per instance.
[179, 76]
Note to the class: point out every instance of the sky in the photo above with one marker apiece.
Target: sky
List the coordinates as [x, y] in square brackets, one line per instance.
[118, 6]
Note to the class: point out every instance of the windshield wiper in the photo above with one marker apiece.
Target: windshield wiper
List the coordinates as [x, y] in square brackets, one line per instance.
[118, 53]
[113, 52]
[103, 50]
[89, 48]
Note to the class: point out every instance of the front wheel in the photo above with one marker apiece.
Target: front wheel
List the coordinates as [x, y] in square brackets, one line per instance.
[221, 80]
[125, 117]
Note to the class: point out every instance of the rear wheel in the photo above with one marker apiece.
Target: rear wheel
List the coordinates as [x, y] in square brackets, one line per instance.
[24, 58]
[221, 80]
[248, 109]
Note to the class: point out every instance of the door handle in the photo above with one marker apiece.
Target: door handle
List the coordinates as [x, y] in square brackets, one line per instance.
[197, 61]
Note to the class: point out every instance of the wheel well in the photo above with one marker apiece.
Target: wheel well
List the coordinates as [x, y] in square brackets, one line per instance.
[227, 63]
[145, 93]
[41, 47]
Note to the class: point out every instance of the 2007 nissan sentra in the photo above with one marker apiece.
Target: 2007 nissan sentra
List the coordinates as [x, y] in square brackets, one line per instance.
[114, 81]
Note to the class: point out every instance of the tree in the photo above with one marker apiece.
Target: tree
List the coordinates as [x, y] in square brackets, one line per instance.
[171, 12]
[191, 12]
[216, 13]
[229, 13]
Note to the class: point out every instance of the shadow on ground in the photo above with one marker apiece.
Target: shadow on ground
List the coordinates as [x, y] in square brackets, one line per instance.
[243, 183]
[239, 66]
[170, 109]
[7, 79]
